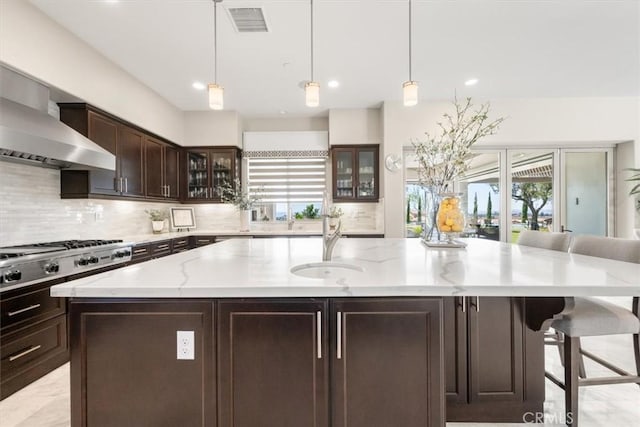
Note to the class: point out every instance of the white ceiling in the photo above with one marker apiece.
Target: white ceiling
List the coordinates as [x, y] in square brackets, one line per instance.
[516, 48]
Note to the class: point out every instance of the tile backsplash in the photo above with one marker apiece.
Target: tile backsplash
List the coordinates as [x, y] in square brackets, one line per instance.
[31, 210]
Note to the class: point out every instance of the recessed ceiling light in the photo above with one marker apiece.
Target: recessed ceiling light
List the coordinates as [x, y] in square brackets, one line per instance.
[333, 83]
[471, 82]
[199, 85]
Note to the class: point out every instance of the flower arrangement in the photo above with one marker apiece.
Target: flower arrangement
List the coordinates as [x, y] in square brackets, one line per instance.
[242, 198]
[444, 157]
[156, 214]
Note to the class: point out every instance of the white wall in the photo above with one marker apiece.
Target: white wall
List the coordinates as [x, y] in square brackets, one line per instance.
[292, 124]
[32, 43]
[530, 122]
[355, 126]
[211, 128]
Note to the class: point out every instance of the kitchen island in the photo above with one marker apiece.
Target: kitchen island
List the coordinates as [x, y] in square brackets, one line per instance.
[377, 347]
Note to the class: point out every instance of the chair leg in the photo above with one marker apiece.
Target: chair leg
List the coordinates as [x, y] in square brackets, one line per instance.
[636, 352]
[571, 368]
[581, 371]
[560, 341]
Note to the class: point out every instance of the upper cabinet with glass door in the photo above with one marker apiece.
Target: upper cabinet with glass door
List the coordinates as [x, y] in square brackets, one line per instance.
[208, 169]
[355, 173]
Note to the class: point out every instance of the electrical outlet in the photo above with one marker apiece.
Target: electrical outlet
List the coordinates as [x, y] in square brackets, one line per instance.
[186, 345]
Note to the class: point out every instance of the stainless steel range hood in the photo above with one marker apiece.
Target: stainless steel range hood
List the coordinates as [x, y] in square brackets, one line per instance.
[31, 135]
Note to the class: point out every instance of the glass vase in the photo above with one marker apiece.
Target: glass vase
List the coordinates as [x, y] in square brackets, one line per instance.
[450, 218]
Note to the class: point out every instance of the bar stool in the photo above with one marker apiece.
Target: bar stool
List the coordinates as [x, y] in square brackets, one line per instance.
[595, 317]
[555, 242]
[545, 240]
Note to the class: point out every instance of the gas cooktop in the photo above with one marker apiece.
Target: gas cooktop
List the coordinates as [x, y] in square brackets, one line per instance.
[32, 263]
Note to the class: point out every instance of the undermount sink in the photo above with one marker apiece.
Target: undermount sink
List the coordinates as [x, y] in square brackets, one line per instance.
[326, 270]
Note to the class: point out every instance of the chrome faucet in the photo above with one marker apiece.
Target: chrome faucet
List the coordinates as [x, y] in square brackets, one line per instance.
[329, 240]
[291, 219]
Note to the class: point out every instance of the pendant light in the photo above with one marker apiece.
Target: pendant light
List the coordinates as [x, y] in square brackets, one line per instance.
[312, 88]
[410, 88]
[216, 92]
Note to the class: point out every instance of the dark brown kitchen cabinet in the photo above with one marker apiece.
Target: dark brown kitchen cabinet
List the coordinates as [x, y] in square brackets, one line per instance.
[180, 244]
[33, 339]
[273, 363]
[208, 169]
[386, 356]
[355, 173]
[162, 163]
[494, 363]
[119, 379]
[144, 163]
[197, 241]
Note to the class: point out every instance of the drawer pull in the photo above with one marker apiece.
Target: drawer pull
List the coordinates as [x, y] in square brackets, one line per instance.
[204, 240]
[165, 246]
[24, 353]
[339, 336]
[181, 242]
[139, 251]
[319, 333]
[22, 310]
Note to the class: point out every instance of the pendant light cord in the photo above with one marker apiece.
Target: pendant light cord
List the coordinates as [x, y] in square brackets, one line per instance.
[410, 47]
[311, 40]
[215, 41]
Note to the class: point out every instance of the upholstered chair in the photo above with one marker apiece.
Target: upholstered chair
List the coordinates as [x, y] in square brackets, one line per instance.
[596, 317]
[545, 240]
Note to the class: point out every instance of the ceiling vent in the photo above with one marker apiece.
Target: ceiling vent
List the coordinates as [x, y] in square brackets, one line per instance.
[248, 19]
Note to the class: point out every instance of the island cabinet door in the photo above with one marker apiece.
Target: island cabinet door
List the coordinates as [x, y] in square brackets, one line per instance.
[273, 365]
[125, 365]
[387, 363]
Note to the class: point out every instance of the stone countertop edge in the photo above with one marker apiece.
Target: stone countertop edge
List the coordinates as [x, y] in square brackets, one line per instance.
[150, 238]
[260, 268]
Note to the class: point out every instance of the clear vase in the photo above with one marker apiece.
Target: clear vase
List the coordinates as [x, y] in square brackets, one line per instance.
[432, 203]
[450, 218]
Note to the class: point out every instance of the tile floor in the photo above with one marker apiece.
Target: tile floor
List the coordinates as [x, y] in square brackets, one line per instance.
[45, 403]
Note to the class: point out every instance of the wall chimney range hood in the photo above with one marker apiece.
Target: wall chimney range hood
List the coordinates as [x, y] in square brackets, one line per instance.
[28, 134]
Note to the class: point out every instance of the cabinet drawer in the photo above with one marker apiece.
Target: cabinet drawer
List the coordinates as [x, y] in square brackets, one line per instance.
[180, 244]
[140, 253]
[203, 240]
[31, 352]
[29, 304]
[160, 249]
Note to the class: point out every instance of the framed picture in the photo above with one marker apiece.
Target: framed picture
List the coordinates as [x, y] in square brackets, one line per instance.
[182, 218]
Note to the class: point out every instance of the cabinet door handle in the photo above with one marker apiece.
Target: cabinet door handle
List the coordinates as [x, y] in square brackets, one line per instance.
[168, 191]
[464, 304]
[22, 310]
[116, 184]
[478, 304]
[339, 336]
[319, 333]
[24, 353]
[126, 185]
[211, 191]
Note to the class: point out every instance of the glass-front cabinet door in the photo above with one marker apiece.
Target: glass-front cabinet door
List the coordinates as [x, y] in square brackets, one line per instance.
[355, 173]
[223, 174]
[210, 169]
[198, 175]
[344, 173]
[367, 171]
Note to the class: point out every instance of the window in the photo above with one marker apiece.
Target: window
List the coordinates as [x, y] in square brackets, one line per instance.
[286, 185]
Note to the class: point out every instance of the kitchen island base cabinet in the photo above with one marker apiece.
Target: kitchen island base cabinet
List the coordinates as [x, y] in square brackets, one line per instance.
[124, 367]
[386, 363]
[273, 364]
[494, 363]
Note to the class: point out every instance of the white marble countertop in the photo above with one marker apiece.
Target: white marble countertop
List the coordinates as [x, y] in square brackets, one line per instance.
[392, 267]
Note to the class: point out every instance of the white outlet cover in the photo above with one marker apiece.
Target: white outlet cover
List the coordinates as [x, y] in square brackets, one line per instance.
[185, 345]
